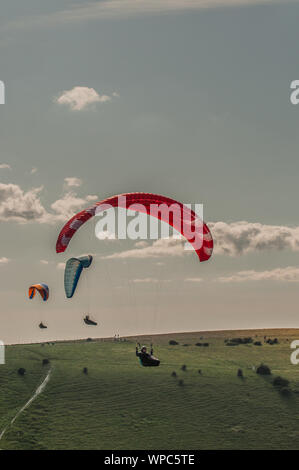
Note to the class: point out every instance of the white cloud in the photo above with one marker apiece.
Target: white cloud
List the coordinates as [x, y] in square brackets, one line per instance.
[194, 279]
[244, 237]
[104, 234]
[4, 260]
[17, 205]
[72, 181]
[33, 170]
[81, 97]
[92, 197]
[161, 247]
[60, 265]
[67, 206]
[21, 206]
[289, 274]
[44, 261]
[150, 280]
[141, 244]
[5, 166]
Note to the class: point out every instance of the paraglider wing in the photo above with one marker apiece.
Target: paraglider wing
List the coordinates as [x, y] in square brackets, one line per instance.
[72, 273]
[144, 203]
[42, 288]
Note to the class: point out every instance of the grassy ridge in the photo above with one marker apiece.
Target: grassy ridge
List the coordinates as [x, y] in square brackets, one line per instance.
[120, 405]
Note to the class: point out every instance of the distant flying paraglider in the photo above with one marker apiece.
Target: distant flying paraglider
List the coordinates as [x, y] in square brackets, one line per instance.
[72, 273]
[42, 288]
[88, 321]
[44, 292]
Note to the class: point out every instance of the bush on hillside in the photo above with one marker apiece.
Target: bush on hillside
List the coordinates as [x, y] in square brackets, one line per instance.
[263, 370]
[85, 371]
[257, 343]
[247, 340]
[285, 391]
[45, 362]
[184, 367]
[172, 342]
[280, 382]
[272, 341]
[21, 371]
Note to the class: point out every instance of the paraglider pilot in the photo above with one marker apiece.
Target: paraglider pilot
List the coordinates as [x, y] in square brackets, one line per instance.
[146, 359]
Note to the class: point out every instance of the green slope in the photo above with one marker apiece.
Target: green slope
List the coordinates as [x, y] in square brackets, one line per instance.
[120, 405]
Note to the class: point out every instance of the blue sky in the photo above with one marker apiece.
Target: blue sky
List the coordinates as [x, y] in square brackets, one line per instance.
[190, 99]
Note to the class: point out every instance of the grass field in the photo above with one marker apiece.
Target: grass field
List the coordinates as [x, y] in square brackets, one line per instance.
[121, 405]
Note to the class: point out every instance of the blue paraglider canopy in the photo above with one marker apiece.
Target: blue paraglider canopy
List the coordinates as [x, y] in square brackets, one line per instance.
[72, 273]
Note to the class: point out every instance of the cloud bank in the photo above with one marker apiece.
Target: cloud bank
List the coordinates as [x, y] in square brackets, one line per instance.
[231, 239]
[17, 205]
[159, 248]
[243, 237]
[289, 274]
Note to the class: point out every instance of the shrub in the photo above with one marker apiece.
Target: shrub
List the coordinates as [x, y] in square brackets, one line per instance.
[184, 367]
[272, 341]
[181, 383]
[280, 382]
[206, 344]
[172, 342]
[240, 373]
[21, 371]
[263, 370]
[199, 371]
[198, 344]
[173, 374]
[45, 362]
[257, 343]
[85, 370]
[89, 339]
[246, 340]
[285, 391]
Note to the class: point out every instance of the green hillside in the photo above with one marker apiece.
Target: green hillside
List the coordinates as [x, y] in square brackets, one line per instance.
[121, 405]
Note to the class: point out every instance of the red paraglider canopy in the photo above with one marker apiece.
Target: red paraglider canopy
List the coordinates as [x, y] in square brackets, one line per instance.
[187, 222]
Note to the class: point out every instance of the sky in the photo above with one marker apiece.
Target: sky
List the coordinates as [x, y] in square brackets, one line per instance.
[189, 99]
